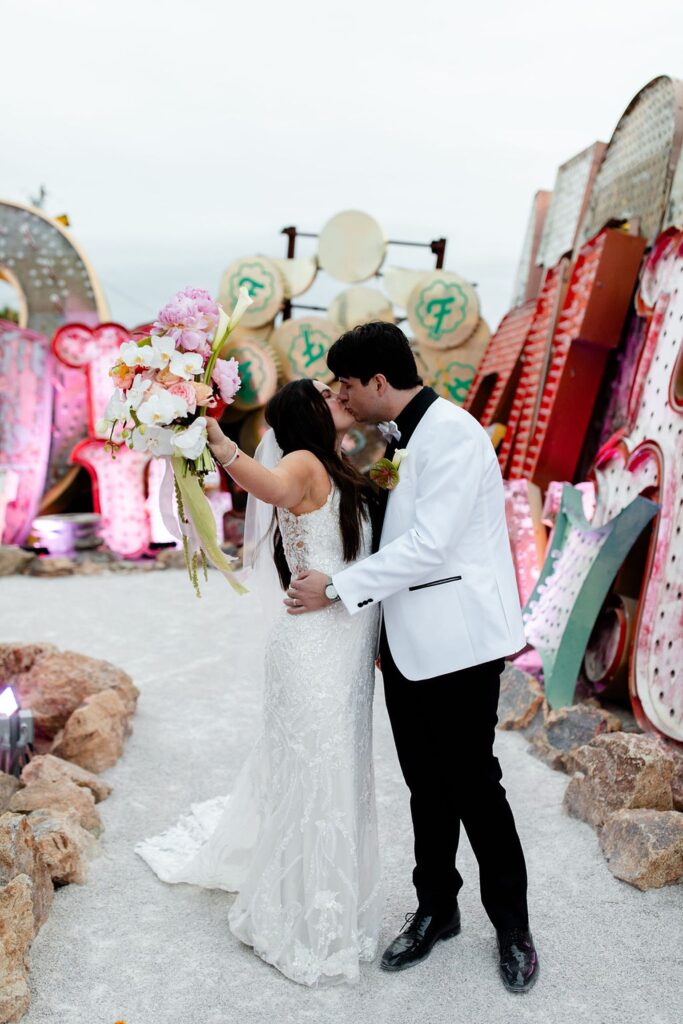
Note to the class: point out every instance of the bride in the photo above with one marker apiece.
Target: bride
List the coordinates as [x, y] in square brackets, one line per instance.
[297, 837]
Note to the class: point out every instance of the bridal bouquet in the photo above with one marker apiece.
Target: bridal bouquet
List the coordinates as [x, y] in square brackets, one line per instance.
[165, 382]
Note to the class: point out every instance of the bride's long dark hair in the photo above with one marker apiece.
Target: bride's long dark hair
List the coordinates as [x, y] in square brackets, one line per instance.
[301, 420]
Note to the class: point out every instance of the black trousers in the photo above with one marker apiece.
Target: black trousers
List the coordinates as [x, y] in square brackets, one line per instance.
[444, 730]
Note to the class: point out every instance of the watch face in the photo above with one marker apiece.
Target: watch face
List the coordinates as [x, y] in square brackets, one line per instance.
[330, 592]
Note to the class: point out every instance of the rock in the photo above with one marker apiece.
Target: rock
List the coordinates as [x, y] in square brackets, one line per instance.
[618, 771]
[676, 755]
[16, 935]
[19, 855]
[59, 681]
[170, 558]
[8, 787]
[13, 559]
[48, 768]
[51, 566]
[93, 736]
[644, 847]
[88, 567]
[62, 795]
[64, 845]
[566, 729]
[521, 698]
[18, 658]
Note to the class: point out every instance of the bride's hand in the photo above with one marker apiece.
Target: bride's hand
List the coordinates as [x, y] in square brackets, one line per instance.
[221, 446]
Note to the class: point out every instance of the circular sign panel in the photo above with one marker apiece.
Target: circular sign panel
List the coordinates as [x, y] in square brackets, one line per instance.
[399, 282]
[298, 274]
[450, 372]
[263, 281]
[302, 346]
[443, 310]
[252, 431]
[351, 246]
[258, 373]
[360, 306]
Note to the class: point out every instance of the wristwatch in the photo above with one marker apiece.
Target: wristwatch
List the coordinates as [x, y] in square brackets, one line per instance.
[330, 592]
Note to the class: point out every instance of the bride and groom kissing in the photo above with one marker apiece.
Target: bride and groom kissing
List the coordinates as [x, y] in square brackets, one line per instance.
[420, 579]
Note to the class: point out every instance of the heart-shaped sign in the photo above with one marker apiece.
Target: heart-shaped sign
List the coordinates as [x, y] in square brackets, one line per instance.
[76, 345]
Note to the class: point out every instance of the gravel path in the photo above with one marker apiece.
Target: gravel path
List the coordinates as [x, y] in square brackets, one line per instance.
[126, 947]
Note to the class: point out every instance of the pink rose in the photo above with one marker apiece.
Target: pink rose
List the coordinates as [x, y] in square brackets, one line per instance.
[185, 391]
[226, 376]
[203, 393]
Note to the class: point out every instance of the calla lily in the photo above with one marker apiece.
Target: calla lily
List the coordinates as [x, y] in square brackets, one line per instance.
[191, 443]
[222, 329]
[399, 455]
[244, 300]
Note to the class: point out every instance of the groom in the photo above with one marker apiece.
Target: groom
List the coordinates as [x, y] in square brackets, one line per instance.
[450, 614]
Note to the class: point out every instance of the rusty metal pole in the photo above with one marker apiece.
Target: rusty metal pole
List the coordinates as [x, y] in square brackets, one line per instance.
[291, 249]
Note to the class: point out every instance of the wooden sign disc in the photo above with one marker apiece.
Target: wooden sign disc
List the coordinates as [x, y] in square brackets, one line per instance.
[360, 305]
[302, 346]
[258, 373]
[443, 310]
[351, 246]
[451, 372]
[297, 274]
[242, 334]
[264, 283]
[252, 431]
[399, 282]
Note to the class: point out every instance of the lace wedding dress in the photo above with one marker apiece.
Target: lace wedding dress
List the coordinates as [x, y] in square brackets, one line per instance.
[297, 838]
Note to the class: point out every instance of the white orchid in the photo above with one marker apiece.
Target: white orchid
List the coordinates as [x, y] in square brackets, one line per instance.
[133, 354]
[186, 364]
[118, 408]
[161, 408]
[190, 443]
[155, 440]
[162, 350]
[136, 392]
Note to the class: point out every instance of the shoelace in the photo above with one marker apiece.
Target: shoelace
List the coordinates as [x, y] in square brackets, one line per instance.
[408, 921]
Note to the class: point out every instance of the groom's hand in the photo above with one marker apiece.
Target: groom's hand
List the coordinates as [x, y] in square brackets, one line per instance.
[307, 593]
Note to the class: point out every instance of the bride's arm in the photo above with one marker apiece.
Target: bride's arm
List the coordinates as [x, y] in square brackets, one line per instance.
[285, 486]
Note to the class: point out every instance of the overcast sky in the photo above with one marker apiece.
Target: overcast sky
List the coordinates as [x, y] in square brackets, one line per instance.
[178, 136]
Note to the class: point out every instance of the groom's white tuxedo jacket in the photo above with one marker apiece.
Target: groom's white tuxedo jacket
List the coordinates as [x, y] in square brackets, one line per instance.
[444, 570]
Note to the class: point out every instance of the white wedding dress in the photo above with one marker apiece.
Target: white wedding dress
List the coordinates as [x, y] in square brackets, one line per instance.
[297, 838]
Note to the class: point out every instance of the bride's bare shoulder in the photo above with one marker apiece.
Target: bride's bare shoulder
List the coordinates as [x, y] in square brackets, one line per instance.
[305, 460]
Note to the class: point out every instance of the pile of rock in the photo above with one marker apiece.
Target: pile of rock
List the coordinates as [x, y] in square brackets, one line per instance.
[82, 707]
[15, 561]
[49, 822]
[627, 785]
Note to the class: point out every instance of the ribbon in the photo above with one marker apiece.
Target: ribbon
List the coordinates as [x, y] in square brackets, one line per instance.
[201, 521]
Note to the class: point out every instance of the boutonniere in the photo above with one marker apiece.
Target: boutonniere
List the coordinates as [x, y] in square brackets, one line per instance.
[385, 472]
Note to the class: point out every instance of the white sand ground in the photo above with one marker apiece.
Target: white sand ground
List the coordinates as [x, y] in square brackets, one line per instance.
[127, 947]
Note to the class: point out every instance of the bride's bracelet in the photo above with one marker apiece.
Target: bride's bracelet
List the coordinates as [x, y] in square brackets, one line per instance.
[235, 455]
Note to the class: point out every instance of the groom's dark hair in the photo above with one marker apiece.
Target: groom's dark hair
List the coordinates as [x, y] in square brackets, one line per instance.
[375, 348]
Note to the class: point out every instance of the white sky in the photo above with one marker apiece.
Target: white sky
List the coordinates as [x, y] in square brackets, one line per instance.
[178, 136]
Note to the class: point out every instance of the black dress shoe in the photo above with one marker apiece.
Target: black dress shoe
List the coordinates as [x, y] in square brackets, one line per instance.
[518, 959]
[417, 937]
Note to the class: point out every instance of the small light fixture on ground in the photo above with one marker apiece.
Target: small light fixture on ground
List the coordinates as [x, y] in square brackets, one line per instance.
[16, 733]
